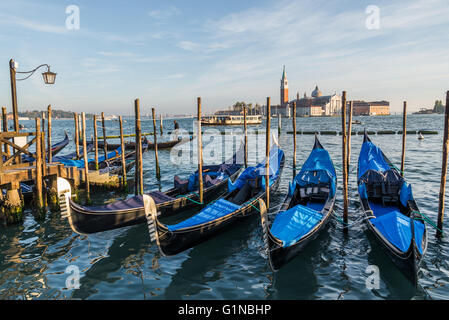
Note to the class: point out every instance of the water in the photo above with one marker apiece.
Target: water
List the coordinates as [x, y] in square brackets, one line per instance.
[123, 264]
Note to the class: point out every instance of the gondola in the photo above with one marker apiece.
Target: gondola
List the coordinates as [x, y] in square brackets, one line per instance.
[240, 201]
[131, 145]
[91, 162]
[183, 196]
[389, 209]
[305, 211]
[72, 155]
[55, 149]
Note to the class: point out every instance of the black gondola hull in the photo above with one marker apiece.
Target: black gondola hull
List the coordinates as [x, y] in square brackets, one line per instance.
[87, 222]
[279, 256]
[172, 243]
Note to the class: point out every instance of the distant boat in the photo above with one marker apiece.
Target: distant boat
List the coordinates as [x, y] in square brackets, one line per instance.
[420, 137]
[356, 122]
[225, 120]
[111, 117]
[424, 111]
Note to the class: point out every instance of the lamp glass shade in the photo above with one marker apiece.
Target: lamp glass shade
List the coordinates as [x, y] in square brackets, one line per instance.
[49, 77]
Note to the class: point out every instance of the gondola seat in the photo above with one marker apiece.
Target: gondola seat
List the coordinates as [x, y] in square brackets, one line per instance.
[292, 224]
[160, 197]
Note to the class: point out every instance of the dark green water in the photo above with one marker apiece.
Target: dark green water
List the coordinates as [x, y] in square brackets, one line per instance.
[123, 264]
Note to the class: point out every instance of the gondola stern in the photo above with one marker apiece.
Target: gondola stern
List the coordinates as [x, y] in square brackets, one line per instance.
[152, 221]
[317, 144]
[266, 233]
[64, 190]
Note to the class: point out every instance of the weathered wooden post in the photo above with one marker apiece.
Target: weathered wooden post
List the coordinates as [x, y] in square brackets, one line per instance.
[122, 144]
[105, 144]
[294, 139]
[344, 160]
[267, 154]
[39, 180]
[5, 127]
[86, 166]
[49, 134]
[443, 168]
[200, 153]
[15, 111]
[245, 137]
[77, 136]
[348, 162]
[161, 121]
[158, 169]
[95, 142]
[138, 180]
[279, 124]
[404, 134]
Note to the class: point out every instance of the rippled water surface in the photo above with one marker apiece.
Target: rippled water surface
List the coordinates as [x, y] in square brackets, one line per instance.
[38, 257]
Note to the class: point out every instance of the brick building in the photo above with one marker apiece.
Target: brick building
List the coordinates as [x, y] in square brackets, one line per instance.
[373, 108]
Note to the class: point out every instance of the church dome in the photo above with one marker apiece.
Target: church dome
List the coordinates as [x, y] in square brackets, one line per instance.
[316, 93]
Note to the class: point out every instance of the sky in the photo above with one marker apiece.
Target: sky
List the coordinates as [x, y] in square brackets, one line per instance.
[168, 53]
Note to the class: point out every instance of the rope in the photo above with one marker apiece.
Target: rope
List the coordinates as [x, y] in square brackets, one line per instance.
[350, 224]
[187, 197]
[427, 219]
[254, 207]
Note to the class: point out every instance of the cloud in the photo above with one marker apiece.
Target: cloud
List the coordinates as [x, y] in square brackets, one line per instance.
[164, 14]
[11, 20]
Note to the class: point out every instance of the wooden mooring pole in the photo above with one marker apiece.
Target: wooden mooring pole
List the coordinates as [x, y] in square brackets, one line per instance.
[49, 134]
[245, 137]
[86, 166]
[267, 154]
[95, 142]
[5, 127]
[105, 144]
[279, 124]
[138, 179]
[348, 162]
[122, 144]
[443, 169]
[404, 134]
[200, 153]
[39, 178]
[77, 136]
[344, 160]
[294, 139]
[158, 169]
[162, 124]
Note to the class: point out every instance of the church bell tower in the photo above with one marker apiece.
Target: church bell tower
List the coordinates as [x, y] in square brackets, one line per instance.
[284, 89]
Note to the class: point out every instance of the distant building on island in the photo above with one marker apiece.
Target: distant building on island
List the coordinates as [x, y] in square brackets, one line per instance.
[374, 108]
[318, 105]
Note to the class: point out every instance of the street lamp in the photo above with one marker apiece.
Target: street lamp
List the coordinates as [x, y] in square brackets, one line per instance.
[49, 78]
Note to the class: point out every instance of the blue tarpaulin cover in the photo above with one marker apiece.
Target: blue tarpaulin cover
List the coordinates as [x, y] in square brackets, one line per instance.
[212, 212]
[317, 169]
[371, 158]
[80, 163]
[396, 228]
[276, 156]
[406, 194]
[291, 225]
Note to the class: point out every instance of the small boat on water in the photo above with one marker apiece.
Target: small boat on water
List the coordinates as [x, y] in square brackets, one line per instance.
[72, 155]
[131, 145]
[240, 201]
[226, 120]
[356, 122]
[305, 211]
[55, 149]
[390, 210]
[183, 196]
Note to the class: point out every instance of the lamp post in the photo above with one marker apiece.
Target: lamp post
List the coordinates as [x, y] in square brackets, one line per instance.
[49, 78]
